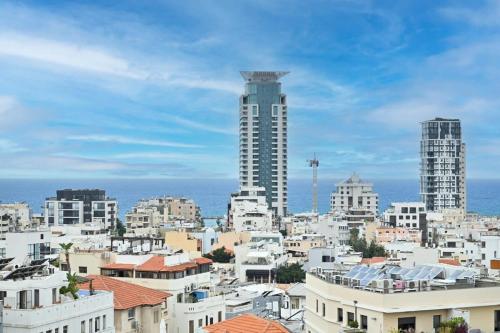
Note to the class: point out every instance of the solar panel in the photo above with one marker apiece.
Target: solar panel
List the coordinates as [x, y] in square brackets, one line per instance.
[24, 272]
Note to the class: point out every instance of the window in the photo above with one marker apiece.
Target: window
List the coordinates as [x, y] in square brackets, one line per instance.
[82, 269]
[211, 320]
[48, 331]
[90, 325]
[436, 322]
[82, 325]
[65, 329]
[364, 322]
[104, 322]
[324, 309]
[406, 323]
[131, 313]
[37, 298]
[340, 315]
[200, 322]
[219, 316]
[350, 316]
[191, 326]
[97, 323]
[54, 295]
[156, 316]
[317, 306]
[497, 320]
[56, 330]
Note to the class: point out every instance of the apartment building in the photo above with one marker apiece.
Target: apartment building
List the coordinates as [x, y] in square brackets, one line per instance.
[395, 298]
[14, 217]
[356, 198]
[299, 246]
[26, 245]
[71, 207]
[136, 308]
[31, 303]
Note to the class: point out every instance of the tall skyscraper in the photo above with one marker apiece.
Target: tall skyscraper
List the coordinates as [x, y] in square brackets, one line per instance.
[263, 137]
[442, 167]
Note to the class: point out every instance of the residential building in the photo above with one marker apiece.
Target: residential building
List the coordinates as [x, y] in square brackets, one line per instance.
[32, 303]
[384, 235]
[356, 198]
[294, 301]
[26, 245]
[386, 298]
[298, 246]
[79, 207]
[249, 210]
[258, 299]
[183, 240]
[14, 217]
[490, 249]
[247, 323]
[263, 137]
[136, 308]
[442, 167]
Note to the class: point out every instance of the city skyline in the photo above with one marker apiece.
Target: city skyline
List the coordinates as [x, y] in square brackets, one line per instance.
[136, 90]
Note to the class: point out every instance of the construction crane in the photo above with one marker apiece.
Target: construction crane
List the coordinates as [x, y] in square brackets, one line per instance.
[314, 163]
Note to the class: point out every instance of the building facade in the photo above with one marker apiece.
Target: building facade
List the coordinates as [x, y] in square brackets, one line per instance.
[354, 195]
[442, 166]
[263, 137]
[81, 206]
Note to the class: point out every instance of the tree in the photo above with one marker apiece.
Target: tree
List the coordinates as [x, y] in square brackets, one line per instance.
[66, 247]
[72, 287]
[290, 274]
[120, 228]
[360, 245]
[220, 255]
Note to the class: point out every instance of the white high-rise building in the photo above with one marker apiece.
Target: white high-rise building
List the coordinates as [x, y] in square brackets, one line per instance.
[263, 137]
[442, 167]
[354, 194]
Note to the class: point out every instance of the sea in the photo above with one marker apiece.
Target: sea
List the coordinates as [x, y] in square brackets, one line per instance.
[212, 195]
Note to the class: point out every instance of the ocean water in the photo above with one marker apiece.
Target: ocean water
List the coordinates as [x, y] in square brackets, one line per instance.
[212, 195]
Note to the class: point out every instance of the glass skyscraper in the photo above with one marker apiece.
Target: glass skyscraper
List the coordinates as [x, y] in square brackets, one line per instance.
[442, 167]
[263, 137]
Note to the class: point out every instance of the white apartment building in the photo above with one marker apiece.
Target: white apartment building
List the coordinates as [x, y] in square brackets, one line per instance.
[14, 217]
[81, 206]
[249, 211]
[442, 167]
[490, 249]
[354, 195]
[31, 303]
[263, 137]
[335, 229]
[26, 246]
[259, 259]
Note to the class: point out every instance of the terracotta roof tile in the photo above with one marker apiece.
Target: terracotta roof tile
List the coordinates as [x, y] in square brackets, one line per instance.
[157, 264]
[126, 295]
[374, 260]
[119, 266]
[202, 261]
[247, 323]
[446, 261]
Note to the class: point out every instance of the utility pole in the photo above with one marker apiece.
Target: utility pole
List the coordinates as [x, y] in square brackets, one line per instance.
[314, 163]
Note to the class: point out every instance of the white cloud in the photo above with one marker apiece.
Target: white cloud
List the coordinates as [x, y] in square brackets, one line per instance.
[488, 15]
[133, 141]
[7, 146]
[202, 126]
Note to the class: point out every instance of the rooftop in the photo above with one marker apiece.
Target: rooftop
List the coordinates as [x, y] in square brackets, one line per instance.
[257, 76]
[247, 323]
[126, 295]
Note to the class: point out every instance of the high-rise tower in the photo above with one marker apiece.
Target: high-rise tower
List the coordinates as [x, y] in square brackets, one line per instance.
[263, 137]
[442, 167]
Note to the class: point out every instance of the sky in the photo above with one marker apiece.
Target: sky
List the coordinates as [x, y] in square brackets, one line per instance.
[111, 89]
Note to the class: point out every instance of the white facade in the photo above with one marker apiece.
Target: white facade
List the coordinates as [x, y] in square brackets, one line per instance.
[263, 137]
[442, 167]
[405, 214]
[490, 249]
[34, 305]
[248, 215]
[14, 216]
[354, 194]
[27, 245]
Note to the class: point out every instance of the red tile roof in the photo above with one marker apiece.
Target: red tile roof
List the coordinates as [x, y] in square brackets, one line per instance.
[374, 260]
[126, 295]
[157, 264]
[247, 323]
[202, 261]
[127, 267]
[453, 262]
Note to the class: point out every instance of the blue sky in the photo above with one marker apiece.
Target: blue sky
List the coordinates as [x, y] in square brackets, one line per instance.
[150, 89]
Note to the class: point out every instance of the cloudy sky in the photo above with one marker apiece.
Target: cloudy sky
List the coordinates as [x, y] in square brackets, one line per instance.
[129, 89]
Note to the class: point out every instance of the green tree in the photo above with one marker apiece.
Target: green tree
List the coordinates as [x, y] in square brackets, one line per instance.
[66, 247]
[220, 255]
[290, 274]
[120, 229]
[360, 245]
[72, 287]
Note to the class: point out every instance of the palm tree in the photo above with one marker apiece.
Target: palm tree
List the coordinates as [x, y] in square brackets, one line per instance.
[66, 247]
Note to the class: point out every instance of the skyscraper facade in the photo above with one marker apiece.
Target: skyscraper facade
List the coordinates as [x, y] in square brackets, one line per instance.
[442, 167]
[263, 137]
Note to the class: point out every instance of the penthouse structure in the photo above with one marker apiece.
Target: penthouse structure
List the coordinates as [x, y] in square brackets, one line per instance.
[356, 198]
[263, 137]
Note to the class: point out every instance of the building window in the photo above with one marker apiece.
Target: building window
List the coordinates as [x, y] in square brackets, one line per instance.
[497, 320]
[324, 310]
[82, 327]
[156, 316]
[364, 322]
[90, 325]
[131, 313]
[54, 295]
[350, 316]
[104, 322]
[200, 322]
[82, 269]
[219, 316]
[436, 322]
[317, 306]
[65, 329]
[191, 326]
[340, 315]
[37, 298]
[406, 324]
[97, 324]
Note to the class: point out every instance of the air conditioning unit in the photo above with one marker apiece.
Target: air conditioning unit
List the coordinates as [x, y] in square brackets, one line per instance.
[319, 270]
[412, 285]
[425, 285]
[356, 283]
[400, 284]
[338, 279]
[134, 324]
[346, 281]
